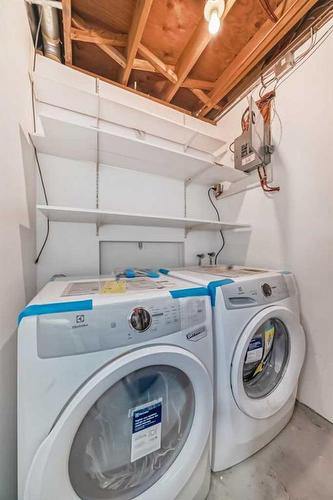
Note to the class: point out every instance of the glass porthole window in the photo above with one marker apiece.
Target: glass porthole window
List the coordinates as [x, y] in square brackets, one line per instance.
[132, 434]
[266, 358]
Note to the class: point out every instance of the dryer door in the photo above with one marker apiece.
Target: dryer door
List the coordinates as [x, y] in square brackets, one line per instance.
[267, 362]
[135, 430]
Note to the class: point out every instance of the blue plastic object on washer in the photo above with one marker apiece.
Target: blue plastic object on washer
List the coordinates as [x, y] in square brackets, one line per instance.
[164, 271]
[130, 273]
[152, 274]
[216, 284]
[57, 307]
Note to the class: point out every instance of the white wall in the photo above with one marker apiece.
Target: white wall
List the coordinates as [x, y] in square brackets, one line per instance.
[74, 248]
[17, 248]
[293, 229]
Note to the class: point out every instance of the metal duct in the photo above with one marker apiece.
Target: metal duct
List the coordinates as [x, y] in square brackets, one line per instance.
[32, 18]
[50, 32]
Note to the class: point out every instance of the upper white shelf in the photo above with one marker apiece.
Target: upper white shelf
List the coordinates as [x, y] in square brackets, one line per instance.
[67, 88]
[70, 135]
[133, 132]
[101, 217]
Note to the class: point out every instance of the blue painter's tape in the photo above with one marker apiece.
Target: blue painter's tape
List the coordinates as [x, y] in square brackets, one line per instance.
[189, 292]
[58, 307]
[216, 284]
[164, 271]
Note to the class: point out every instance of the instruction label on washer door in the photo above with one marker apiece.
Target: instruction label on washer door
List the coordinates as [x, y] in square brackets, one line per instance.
[254, 351]
[146, 429]
[269, 337]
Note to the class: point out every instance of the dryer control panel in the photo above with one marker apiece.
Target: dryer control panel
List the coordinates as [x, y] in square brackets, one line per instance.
[118, 324]
[255, 292]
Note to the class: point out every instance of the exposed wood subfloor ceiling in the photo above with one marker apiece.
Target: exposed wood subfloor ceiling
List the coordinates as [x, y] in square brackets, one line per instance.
[162, 48]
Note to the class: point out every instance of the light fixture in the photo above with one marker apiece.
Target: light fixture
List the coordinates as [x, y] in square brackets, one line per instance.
[213, 12]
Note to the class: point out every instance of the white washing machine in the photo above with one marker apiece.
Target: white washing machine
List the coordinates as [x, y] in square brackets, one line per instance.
[259, 351]
[115, 397]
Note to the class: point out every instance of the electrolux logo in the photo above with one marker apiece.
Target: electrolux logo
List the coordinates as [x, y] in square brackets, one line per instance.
[80, 321]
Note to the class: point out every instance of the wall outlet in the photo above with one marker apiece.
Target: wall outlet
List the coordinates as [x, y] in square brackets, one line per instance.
[218, 190]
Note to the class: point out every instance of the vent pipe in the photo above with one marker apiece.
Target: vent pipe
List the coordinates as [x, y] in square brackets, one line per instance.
[50, 32]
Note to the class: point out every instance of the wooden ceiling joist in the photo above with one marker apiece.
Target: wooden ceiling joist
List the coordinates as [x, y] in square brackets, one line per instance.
[67, 23]
[200, 94]
[288, 14]
[156, 62]
[193, 50]
[174, 58]
[114, 54]
[203, 97]
[143, 65]
[191, 83]
[139, 20]
[99, 36]
[83, 32]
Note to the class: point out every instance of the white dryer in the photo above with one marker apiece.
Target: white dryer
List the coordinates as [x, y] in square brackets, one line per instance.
[115, 395]
[259, 351]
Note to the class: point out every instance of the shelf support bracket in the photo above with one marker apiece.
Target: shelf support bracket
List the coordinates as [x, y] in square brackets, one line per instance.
[189, 142]
[186, 182]
[97, 151]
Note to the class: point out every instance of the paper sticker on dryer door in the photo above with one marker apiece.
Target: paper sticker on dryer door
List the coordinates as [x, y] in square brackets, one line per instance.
[254, 351]
[146, 429]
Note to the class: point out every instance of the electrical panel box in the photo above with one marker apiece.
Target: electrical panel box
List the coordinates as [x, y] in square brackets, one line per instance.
[249, 147]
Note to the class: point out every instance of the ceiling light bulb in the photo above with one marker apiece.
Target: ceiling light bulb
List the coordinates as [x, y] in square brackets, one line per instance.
[214, 22]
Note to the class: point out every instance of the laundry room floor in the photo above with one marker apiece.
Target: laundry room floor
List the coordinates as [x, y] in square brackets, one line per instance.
[296, 465]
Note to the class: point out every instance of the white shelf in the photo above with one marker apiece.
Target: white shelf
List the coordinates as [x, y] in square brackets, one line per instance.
[73, 90]
[101, 217]
[134, 132]
[70, 135]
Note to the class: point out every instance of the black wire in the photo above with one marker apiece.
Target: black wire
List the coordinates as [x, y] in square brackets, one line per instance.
[35, 150]
[219, 219]
[47, 202]
[45, 241]
[41, 176]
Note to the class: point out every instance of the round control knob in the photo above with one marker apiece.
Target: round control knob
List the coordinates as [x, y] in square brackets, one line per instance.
[140, 319]
[266, 290]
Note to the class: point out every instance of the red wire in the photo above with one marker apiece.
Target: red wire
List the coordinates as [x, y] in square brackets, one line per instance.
[263, 181]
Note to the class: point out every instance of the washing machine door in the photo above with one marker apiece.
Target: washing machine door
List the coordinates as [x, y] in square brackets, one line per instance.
[135, 430]
[267, 362]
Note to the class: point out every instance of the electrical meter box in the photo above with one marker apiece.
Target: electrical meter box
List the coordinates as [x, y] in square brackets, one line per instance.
[250, 149]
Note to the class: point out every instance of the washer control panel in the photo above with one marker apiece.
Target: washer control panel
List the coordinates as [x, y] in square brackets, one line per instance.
[255, 292]
[118, 324]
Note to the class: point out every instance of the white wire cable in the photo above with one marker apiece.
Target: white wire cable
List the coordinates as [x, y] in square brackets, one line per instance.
[315, 47]
[299, 61]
